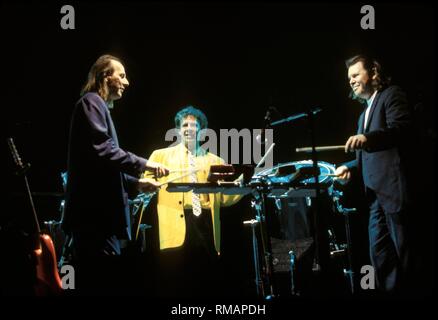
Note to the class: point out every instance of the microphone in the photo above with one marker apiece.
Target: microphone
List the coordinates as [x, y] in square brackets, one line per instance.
[316, 110]
[267, 117]
[260, 138]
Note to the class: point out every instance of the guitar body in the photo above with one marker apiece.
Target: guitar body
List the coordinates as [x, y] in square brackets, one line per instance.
[48, 281]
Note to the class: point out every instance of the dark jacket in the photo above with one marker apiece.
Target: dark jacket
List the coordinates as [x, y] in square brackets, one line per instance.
[383, 163]
[98, 172]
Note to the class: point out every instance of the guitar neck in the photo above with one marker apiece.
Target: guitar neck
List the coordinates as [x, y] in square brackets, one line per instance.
[35, 217]
[22, 168]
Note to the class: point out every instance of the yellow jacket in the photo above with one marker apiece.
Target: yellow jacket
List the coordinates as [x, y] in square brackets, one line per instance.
[171, 205]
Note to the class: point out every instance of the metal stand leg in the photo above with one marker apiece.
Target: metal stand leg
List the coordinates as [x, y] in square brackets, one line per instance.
[292, 271]
[264, 276]
[258, 279]
[143, 227]
[349, 272]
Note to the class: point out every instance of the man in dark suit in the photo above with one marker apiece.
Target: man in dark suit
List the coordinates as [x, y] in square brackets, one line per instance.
[381, 161]
[100, 175]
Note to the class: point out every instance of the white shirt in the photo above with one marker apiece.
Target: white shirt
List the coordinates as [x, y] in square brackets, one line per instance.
[367, 112]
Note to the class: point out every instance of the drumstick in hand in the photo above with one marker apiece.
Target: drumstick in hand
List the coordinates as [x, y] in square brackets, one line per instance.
[173, 179]
[329, 174]
[183, 170]
[177, 178]
[319, 149]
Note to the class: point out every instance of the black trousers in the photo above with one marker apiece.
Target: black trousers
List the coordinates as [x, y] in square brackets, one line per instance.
[389, 253]
[190, 271]
[98, 265]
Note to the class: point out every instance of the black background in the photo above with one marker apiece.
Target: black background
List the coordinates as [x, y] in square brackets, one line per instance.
[232, 61]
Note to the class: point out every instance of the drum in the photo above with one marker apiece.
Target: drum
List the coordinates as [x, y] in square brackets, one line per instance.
[289, 209]
[290, 221]
[274, 174]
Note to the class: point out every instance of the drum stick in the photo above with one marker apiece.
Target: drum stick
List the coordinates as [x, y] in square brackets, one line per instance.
[179, 170]
[179, 177]
[173, 179]
[266, 154]
[319, 149]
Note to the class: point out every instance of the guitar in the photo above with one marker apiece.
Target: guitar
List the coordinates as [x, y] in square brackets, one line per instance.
[43, 253]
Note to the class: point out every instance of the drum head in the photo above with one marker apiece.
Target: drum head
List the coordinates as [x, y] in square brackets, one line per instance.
[272, 173]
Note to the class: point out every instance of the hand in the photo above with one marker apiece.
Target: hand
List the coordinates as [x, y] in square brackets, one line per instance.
[358, 141]
[343, 173]
[148, 185]
[158, 169]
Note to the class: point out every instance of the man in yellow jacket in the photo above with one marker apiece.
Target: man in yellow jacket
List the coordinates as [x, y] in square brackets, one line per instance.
[188, 223]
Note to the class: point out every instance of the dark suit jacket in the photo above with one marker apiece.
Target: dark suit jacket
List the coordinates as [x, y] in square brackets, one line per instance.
[98, 169]
[383, 163]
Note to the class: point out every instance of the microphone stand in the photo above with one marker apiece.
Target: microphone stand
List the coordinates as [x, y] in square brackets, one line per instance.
[266, 125]
[316, 202]
[296, 116]
[267, 288]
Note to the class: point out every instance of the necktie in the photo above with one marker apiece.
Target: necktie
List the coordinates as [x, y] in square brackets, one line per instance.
[196, 202]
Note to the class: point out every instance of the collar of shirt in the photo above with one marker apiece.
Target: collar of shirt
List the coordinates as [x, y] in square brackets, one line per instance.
[198, 153]
[371, 99]
[369, 104]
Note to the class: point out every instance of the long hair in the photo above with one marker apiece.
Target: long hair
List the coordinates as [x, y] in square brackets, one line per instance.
[96, 76]
[373, 67]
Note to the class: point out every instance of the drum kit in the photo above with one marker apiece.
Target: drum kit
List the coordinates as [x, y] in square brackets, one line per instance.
[282, 199]
[285, 213]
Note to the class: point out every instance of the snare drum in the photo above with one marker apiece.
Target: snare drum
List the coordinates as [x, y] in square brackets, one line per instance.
[325, 169]
[290, 209]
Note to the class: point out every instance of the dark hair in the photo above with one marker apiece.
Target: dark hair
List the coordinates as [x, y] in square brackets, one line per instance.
[96, 76]
[373, 68]
[191, 111]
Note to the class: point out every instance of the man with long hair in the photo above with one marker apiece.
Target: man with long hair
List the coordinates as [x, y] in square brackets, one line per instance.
[100, 174]
[381, 146]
